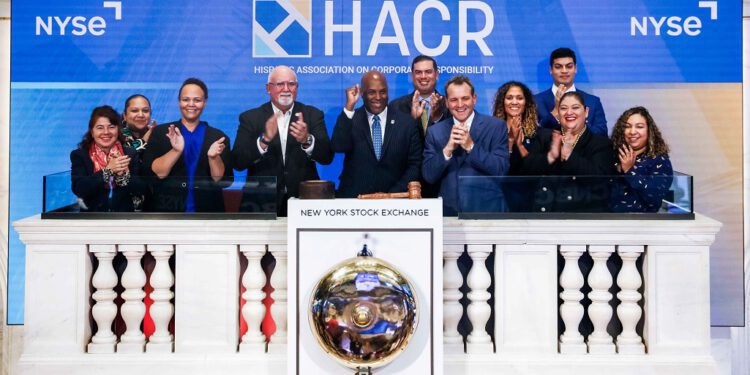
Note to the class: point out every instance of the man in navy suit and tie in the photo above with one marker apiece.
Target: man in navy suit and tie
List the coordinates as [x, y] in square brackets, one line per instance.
[563, 68]
[466, 144]
[382, 147]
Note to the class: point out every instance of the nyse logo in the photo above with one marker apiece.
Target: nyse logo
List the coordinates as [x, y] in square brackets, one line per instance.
[77, 25]
[672, 25]
[282, 28]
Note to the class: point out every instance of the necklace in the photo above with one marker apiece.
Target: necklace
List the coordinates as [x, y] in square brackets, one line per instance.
[575, 142]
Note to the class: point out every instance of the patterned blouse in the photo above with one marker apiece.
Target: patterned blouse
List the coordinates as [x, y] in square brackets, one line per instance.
[643, 186]
[130, 140]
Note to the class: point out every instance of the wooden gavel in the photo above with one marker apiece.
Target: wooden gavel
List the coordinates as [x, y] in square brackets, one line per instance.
[415, 192]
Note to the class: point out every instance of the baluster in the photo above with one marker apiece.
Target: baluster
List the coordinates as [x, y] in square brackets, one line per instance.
[452, 310]
[133, 310]
[479, 309]
[571, 311]
[629, 281]
[600, 312]
[104, 309]
[253, 311]
[162, 310]
[278, 341]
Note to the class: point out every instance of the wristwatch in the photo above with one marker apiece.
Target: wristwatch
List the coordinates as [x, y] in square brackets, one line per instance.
[308, 141]
[263, 140]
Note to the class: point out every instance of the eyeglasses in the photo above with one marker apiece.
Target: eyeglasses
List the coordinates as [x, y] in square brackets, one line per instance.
[280, 85]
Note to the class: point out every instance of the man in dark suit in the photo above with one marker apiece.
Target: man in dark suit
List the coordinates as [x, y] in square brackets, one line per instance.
[466, 144]
[383, 149]
[425, 105]
[563, 69]
[282, 138]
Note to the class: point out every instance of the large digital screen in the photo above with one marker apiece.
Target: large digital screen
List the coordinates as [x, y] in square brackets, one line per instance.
[681, 59]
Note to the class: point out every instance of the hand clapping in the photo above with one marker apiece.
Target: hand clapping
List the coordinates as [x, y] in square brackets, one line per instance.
[216, 148]
[118, 164]
[298, 129]
[175, 138]
[627, 157]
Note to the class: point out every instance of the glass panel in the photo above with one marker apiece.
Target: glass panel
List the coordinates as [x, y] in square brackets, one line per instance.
[145, 195]
[624, 195]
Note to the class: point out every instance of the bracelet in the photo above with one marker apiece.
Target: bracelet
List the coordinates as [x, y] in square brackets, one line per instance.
[123, 180]
[106, 175]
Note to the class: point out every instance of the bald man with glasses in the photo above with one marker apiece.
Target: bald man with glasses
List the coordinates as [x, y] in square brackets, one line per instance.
[281, 138]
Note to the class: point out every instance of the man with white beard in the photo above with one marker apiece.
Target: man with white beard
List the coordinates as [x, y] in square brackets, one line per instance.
[281, 138]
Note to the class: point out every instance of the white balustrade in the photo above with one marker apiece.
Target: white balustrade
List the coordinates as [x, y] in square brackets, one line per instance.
[571, 311]
[162, 309]
[253, 341]
[59, 285]
[133, 309]
[629, 281]
[104, 310]
[452, 309]
[277, 343]
[479, 310]
[600, 312]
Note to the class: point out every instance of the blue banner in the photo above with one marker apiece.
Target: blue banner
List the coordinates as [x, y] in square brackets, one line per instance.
[70, 56]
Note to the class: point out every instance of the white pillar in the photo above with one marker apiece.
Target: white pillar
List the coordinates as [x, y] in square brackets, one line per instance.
[629, 280]
[253, 341]
[278, 341]
[452, 310]
[104, 310]
[133, 309]
[571, 311]
[162, 279]
[479, 309]
[600, 312]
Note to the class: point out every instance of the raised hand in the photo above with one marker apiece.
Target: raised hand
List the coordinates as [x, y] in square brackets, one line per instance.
[627, 157]
[417, 106]
[555, 146]
[216, 148]
[148, 132]
[437, 102]
[562, 89]
[271, 128]
[175, 138]
[352, 95]
[298, 129]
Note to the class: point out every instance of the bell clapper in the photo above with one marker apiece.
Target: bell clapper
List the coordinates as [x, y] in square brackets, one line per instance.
[363, 371]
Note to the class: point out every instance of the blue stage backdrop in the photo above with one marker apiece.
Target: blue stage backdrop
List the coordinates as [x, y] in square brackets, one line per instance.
[680, 58]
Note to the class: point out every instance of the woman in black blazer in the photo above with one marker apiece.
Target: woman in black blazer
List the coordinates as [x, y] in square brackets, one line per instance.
[104, 173]
[190, 159]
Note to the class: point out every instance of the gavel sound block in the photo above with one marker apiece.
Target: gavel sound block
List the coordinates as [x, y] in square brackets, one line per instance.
[415, 192]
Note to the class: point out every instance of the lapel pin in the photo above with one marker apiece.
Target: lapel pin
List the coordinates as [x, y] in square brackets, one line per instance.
[393, 121]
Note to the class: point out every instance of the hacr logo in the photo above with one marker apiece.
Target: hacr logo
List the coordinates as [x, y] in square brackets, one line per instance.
[77, 25]
[282, 28]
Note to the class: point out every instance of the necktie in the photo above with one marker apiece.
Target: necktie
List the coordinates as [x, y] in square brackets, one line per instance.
[377, 137]
[425, 117]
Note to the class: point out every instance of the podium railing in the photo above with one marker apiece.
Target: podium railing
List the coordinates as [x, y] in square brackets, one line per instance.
[641, 289]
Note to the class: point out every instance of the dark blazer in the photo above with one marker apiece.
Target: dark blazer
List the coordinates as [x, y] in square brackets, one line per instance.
[579, 184]
[403, 104]
[90, 186]
[298, 167]
[489, 157]
[545, 103]
[401, 155]
[170, 193]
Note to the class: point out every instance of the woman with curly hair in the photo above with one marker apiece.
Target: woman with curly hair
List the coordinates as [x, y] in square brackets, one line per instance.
[643, 161]
[527, 143]
[515, 104]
